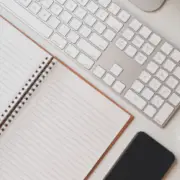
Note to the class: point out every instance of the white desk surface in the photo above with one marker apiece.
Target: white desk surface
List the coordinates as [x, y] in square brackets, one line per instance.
[166, 21]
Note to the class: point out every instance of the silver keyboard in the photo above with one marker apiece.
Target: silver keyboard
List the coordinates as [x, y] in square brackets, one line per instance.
[116, 48]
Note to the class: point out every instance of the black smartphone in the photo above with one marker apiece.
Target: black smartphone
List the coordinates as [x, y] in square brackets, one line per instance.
[143, 159]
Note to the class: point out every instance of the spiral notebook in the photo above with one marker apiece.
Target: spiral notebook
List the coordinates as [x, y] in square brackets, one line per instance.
[50, 126]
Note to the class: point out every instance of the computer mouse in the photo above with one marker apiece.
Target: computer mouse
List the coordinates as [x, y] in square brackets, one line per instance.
[148, 5]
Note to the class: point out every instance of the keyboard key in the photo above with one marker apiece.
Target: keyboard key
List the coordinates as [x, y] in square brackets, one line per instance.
[72, 36]
[128, 34]
[71, 51]
[118, 87]
[135, 24]
[159, 57]
[147, 49]
[121, 43]
[145, 32]
[63, 30]
[154, 39]
[53, 22]
[114, 8]
[70, 5]
[85, 31]
[135, 99]
[98, 41]
[102, 14]
[157, 101]
[130, 51]
[113, 23]
[99, 27]
[34, 8]
[163, 114]
[154, 84]
[24, 2]
[162, 74]
[164, 92]
[175, 55]
[46, 3]
[88, 49]
[145, 77]
[137, 86]
[178, 89]
[89, 20]
[80, 12]
[44, 15]
[99, 71]
[169, 65]
[92, 7]
[140, 58]
[166, 48]
[116, 70]
[59, 41]
[124, 16]
[152, 67]
[109, 35]
[150, 111]
[56, 9]
[85, 61]
[61, 1]
[82, 2]
[104, 3]
[147, 93]
[65, 16]
[177, 72]
[138, 41]
[75, 24]
[174, 99]
[172, 82]
[108, 79]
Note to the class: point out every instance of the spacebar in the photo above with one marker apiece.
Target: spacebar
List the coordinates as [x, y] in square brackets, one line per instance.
[29, 19]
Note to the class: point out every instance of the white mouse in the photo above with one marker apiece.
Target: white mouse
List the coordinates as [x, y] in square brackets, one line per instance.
[148, 5]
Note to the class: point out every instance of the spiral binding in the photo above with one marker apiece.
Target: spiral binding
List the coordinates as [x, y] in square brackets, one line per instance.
[27, 94]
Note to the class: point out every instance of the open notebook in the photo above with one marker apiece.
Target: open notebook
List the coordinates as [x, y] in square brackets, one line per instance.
[54, 125]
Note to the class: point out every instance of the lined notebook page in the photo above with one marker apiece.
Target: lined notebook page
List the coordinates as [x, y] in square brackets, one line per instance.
[19, 58]
[61, 132]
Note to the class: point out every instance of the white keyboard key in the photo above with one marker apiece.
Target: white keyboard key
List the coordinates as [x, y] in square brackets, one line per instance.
[71, 51]
[174, 99]
[99, 27]
[175, 55]
[34, 8]
[85, 31]
[137, 86]
[130, 51]
[128, 34]
[92, 7]
[70, 5]
[154, 39]
[46, 3]
[147, 93]
[75, 24]
[124, 16]
[178, 89]
[135, 24]
[108, 79]
[72, 36]
[154, 84]
[65, 16]
[82, 2]
[162, 74]
[59, 41]
[99, 71]
[89, 20]
[63, 29]
[147, 49]
[53, 22]
[163, 114]
[24, 2]
[114, 8]
[109, 35]
[98, 41]
[116, 70]
[145, 32]
[88, 49]
[85, 61]
[114, 23]
[169, 65]
[145, 77]
[152, 67]
[135, 99]
[164, 92]
[157, 101]
[172, 82]
[102, 14]
[118, 87]
[166, 48]
[177, 72]
[159, 57]
[61, 1]
[138, 41]
[150, 111]
[56, 9]
[140, 58]
[104, 3]
[80, 12]
[44, 15]
[121, 43]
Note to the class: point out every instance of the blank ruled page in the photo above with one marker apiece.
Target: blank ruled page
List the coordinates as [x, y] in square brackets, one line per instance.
[61, 132]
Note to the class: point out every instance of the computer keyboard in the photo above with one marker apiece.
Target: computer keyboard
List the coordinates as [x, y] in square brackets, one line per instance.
[117, 48]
